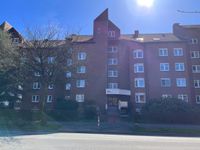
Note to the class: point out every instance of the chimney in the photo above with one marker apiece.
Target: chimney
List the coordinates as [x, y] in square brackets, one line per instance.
[136, 34]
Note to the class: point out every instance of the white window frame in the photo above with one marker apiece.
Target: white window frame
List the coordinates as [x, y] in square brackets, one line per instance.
[80, 98]
[68, 86]
[195, 68]
[82, 55]
[183, 97]
[197, 83]
[112, 61]
[195, 54]
[197, 97]
[81, 69]
[113, 73]
[194, 41]
[49, 98]
[35, 98]
[51, 86]
[139, 68]
[179, 67]
[165, 96]
[111, 34]
[69, 62]
[181, 82]
[36, 85]
[139, 83]
[51, 60]
[163, 52]
[178, 52]
[113, 85]
[138, 54]
[138, 98]
[37, 74]
[165, 85]
[164, 67]
[80, 83]
[112, 49]
[68, 74]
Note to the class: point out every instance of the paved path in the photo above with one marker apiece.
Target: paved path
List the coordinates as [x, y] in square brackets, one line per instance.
[72, 141]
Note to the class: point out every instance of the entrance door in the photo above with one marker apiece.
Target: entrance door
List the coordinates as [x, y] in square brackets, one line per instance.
[112, 102]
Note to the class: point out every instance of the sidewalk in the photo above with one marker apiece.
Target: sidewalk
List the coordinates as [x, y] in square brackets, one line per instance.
[92, 127]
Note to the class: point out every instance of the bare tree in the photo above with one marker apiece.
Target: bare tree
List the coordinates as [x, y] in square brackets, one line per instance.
[45, 55]
[9, 66]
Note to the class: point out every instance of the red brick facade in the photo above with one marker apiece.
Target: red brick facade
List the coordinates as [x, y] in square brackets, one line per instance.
[116, 69]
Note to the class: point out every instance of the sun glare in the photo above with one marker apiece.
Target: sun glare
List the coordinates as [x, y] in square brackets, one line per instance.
[145, 3]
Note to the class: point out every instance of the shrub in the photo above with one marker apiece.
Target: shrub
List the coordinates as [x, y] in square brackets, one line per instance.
[170, 111]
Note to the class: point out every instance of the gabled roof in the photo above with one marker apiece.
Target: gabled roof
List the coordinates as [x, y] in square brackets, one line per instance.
[103, 16]
[5, 26]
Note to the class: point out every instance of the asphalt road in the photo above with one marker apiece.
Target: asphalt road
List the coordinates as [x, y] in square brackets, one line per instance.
[73, 141]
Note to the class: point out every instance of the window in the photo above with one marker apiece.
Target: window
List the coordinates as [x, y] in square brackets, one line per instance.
[69, 62]
[80, 98]
[112, 61]
[164, 66]
[68, 86]
[81, 69]
[196, 68]
[181, 82]
[51, 60]
[80, 83]
[183, 97]
[195, 54]
[163, 52]
[194, 41]
[35, 98]
[198, 99]
[140, 98]
[37, 59]
[50, 87]
[19, 96]
[49, 98]
[165, 82]
[112, 49]
[112, 85]
[111, 34]
[139, 68]
[37, 74]
[197, 83]
[138, 53]
[15, 40]
[179, 67]
[112, 73]
[139, 83]
[36, 85]
[67, 97]
[68, 74]
[81, 56]
[165, 96]
[178, 52]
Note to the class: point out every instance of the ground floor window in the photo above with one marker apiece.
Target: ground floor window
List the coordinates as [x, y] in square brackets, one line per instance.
[49, 98]
[198, 99]
[140, 98]
[80, 97]
[35, 98]
[183, 97]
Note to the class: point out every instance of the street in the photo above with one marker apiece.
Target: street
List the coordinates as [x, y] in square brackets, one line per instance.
[76, 141]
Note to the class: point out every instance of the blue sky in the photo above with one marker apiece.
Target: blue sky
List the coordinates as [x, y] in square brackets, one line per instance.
[75, 15]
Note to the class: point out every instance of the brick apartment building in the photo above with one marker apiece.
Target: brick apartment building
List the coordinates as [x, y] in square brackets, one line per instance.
[123, 72]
